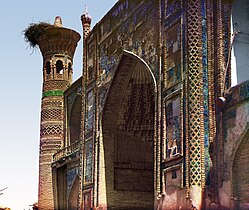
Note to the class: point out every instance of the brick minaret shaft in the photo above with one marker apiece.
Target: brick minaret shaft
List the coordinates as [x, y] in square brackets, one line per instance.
[57, 45]
[86, 23]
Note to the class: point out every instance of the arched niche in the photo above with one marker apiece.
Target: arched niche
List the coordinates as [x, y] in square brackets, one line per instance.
[59, 67]
[48, 67]
[128, 133]
[240, 173]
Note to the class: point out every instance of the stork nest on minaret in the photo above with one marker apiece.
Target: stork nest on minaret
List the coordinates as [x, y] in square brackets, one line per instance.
[34, 31]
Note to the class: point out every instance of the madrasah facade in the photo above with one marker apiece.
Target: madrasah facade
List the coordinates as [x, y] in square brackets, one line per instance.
[156, 120]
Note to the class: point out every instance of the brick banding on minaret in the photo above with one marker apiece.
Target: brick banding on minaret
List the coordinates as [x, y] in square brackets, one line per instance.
[57, 45]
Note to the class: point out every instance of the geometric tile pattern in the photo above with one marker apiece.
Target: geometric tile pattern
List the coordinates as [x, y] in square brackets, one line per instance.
[55, 85]
[51, 114]
[195, 90]
[51, 130]
[52, 103]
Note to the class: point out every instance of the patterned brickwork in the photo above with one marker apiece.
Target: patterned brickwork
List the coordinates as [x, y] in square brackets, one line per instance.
[55, 85]
[210, 67]
[211, 80]
[51, 134]
[220, 87]
[221, 60]
[48, 144]
[55, 42]
[52, 129]
[226, 26]
[195, 91]
[135, 127]
[193, 68]
[45, 182]
[51, 114]
[86, 23]
[48, 103]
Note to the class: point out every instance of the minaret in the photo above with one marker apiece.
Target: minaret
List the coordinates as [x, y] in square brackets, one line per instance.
[57, 45]
[86, 23]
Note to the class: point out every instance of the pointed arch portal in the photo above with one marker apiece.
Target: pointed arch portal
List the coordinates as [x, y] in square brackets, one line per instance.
[73, 195]
[241, 174]
[128, 133]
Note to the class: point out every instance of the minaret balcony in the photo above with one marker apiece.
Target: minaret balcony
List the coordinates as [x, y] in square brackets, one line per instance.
[67, 153]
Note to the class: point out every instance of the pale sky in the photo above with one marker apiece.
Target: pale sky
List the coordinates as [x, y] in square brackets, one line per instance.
[20, 90]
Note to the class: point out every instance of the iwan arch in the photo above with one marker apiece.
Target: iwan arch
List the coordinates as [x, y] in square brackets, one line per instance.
[153, 123]
[128, 124]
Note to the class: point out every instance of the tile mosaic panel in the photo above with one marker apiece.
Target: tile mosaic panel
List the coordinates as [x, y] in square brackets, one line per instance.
[205, 93]
[135, 34]
[71, 175]
[172, 73]
[88, 161]
[89, 111]
[173, 127]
